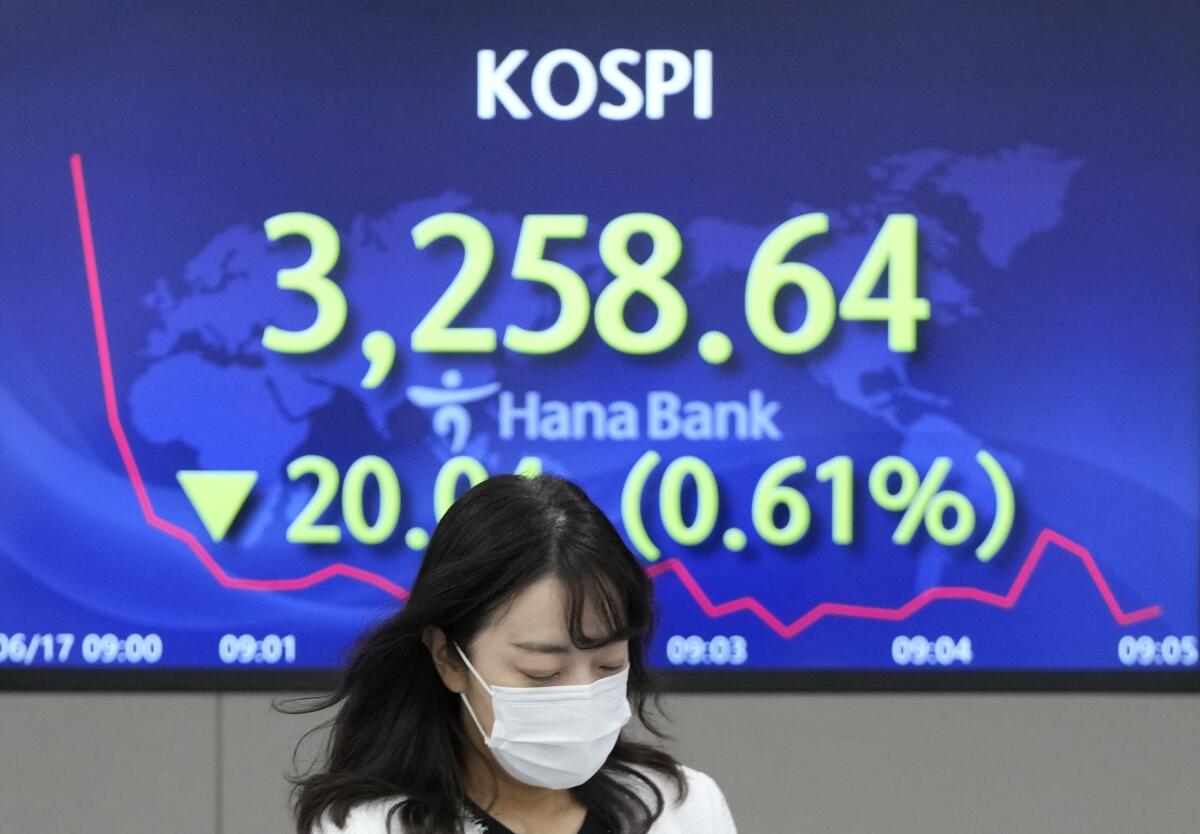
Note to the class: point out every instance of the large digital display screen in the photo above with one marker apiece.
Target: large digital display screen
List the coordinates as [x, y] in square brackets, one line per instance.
[872, 327]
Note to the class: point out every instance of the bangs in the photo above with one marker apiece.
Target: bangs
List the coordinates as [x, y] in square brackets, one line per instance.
[621, 605]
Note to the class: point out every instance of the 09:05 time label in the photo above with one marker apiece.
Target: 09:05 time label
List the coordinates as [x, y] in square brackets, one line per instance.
[1171, 650]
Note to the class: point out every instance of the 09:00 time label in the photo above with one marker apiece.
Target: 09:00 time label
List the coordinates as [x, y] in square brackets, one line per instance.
[105, 649]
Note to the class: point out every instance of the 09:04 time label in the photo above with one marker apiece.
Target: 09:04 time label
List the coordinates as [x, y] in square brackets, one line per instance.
[944, 650]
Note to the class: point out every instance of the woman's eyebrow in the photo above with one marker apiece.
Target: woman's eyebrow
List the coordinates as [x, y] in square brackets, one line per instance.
[544, 648]
[553, 648]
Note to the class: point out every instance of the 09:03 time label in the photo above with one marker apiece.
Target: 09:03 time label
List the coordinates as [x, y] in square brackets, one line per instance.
[694, 650]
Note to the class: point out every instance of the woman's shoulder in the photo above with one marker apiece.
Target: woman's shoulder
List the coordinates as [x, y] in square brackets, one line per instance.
[371, 817]
[698, 782]
[363, 818]
[703, 810]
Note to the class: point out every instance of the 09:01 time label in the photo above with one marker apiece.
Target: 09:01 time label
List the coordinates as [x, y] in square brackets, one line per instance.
[694, 650]
[244, 649]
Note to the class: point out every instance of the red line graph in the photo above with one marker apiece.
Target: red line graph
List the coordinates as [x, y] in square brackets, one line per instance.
[903, 612]
[131, 467]
[711, 609]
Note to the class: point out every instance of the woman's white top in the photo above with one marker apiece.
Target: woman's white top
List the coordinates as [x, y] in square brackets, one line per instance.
[704, 811]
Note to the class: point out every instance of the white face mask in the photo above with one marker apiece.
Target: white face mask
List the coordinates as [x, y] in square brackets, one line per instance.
[554, 736]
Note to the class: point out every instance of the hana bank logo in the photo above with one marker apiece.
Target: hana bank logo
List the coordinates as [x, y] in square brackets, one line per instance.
[451, 420]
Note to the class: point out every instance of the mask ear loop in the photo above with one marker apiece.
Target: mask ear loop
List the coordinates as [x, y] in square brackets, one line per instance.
[467, 701]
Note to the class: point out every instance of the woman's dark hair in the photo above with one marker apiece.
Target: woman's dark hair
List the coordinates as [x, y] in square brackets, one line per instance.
[399, 731]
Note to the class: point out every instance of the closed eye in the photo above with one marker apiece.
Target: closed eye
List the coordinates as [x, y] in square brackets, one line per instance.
[544, 678]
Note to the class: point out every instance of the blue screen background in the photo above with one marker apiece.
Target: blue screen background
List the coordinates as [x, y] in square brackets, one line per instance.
[1049, 154]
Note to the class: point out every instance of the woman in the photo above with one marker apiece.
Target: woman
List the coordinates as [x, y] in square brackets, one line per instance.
[493, 702]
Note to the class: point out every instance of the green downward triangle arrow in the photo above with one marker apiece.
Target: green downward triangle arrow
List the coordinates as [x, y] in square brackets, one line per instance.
[217, 496]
